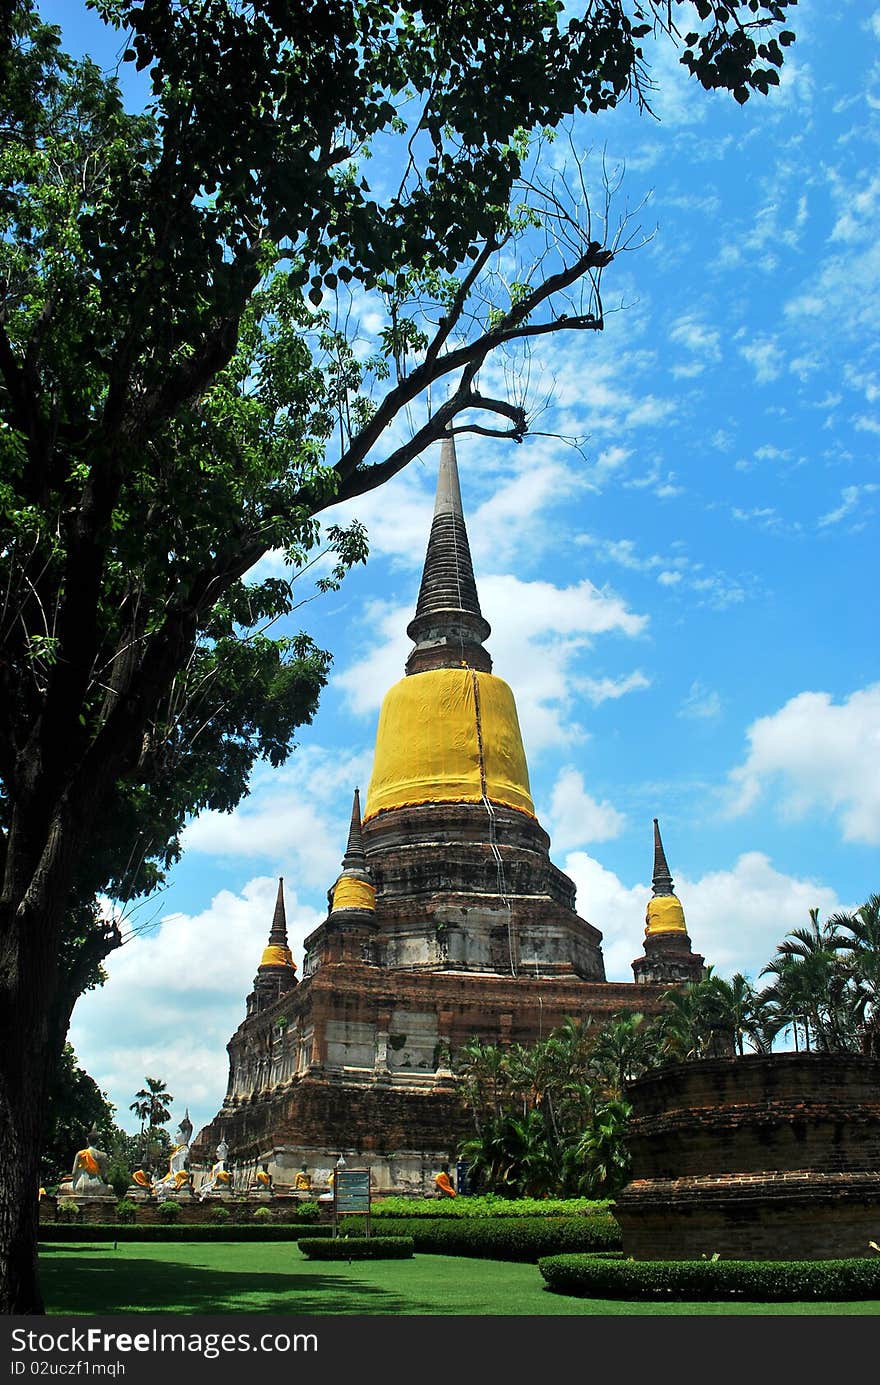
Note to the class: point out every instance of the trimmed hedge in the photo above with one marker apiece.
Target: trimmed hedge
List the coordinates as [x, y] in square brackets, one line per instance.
[358, 1248]
[489, 1205]
[697, 1281]
[492, 1238]
[235, 1231]
[510, 1238]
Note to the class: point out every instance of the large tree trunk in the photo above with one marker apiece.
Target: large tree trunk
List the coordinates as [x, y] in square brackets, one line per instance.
[27, 1054]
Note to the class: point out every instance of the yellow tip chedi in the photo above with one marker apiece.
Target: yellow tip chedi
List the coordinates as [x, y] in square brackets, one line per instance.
[351, 893]
[449, 735]
[665, 915]
[277, 957]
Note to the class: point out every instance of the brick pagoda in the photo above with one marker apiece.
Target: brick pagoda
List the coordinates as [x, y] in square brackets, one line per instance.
[448, 921]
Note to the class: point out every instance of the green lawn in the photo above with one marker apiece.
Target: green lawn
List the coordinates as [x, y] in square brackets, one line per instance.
[254, 1277]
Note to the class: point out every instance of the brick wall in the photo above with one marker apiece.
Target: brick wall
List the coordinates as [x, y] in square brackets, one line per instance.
[762, 1157]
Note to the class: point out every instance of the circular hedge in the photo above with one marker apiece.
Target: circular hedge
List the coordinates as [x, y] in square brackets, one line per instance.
[357, 1248]
[693, 1281]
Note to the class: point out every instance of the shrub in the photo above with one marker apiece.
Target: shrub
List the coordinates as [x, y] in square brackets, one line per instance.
[126, 1210]
[168, 1211]
[262, 1215]
[143, 1231]
[219, 1215]
[357, 1247]
[505, 1238]
[756, 1281]
[489, 1205]
[67, 1209]
[119, 1178]
[307, 1212]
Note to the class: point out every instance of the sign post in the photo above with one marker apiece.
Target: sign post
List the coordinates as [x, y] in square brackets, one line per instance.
[351, 1196]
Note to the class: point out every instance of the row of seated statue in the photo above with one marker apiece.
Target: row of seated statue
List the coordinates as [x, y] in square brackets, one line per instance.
[88, 1177]
[177, 1181]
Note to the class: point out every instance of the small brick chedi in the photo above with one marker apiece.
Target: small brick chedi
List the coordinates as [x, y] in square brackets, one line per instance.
[762, 1157]
[448, 921]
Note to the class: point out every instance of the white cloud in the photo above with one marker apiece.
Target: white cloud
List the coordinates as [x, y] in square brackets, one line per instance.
[851, 498]
[843, 288]
[704, 342]
[576, 818]
[859, 212]
[765, 358]
[821, 757]
[175, 995]
[601, 689]
[673, 570]
[701, 703]
[294, 817]
[735, 917]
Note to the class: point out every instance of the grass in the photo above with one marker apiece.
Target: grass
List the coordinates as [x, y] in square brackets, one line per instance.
[250, 1277]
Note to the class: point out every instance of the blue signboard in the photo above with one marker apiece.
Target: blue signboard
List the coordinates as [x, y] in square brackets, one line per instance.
[351, 1194]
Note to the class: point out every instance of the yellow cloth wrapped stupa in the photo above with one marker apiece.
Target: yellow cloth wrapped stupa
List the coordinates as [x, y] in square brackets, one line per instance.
[664, 913]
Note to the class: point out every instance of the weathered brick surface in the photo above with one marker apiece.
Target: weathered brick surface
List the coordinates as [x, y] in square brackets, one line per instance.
[761, 1157]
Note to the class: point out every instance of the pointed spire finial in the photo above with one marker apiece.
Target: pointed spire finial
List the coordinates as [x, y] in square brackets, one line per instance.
[448, 628]
[278, 932]
[662, 879]
[354, 851]
[277, 953]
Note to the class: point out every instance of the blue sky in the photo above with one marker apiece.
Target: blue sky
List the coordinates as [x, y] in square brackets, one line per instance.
[685, 612]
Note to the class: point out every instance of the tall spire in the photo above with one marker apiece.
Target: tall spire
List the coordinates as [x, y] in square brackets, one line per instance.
[448, 628]
[276, 973]
[278, 931]
[354, 888]
[668, 957]
[354, 852]
[277, 952]
[662, 879]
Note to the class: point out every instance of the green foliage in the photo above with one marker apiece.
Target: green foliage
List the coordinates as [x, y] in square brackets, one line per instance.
[55, 1231]
[757, 1281]
[263, 1215]
[220, 1215]
[168, 1211]
[486, 1206]
[357, 1248]
[119, 1177]
[67, 1209]
[126, 1210]
[511, 1238]
[602, 1156]
[532, 1107]
[76, 1105]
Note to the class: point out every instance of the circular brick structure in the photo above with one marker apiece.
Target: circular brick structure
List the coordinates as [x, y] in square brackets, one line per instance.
[765, 1157]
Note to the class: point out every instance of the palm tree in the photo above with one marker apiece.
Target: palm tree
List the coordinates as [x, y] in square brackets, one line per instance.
[623, 1050]
[740, 1013]
[699, 1021]
[152, 1106]
[484, 1083]
[862, 960]
[602, 1152]
[812, 987]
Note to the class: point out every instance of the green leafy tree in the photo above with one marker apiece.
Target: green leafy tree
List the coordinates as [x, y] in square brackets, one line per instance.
[534, 1106]
[624, 1049]
[179, 395]
[602, 1158]
[76, 1106]
[858, 941]
[812, 990]
[152, 1106]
